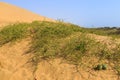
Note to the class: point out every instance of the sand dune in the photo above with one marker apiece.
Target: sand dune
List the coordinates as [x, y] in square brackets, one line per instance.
[14, 62]
[11, 14]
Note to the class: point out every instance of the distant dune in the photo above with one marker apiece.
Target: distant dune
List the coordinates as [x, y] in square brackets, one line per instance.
[11, 14]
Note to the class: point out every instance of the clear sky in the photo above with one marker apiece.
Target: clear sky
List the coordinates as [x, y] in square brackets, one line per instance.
[86, 13]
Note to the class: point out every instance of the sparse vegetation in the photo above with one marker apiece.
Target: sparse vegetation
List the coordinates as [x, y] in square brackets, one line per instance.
[13, 32]
[65, 40]
[48, 37]
[105, 31]
[117, 68]
[77, 47]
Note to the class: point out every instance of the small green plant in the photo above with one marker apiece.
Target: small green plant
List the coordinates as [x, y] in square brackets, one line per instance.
[100, 67]
[104, 66]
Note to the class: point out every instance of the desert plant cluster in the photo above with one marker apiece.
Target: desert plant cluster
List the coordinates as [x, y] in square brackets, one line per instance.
[68, 41]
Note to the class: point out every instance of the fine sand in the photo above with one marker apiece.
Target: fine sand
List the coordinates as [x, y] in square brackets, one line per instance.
[15, 62]
[11, 14]
[15, 65]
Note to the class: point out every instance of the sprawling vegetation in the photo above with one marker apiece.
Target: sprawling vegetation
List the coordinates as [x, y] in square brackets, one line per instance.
[67, 41]
[13, 32]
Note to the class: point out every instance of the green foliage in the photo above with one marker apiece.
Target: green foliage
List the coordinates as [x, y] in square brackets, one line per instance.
[112, 32]
[81, 47]
[72, 43]
[100, 67]
[13, 32]
[104, 66]
[47, 37]
[112, 55]
[116, 54]
[76, 48]
[104, 53]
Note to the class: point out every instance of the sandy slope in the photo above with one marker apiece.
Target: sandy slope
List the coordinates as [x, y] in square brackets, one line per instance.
[60, 70]
[11, 14]
[14, 62]
[14, 66]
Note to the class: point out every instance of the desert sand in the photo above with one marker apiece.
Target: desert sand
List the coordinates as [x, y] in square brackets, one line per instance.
[11, 14]
[15, 63]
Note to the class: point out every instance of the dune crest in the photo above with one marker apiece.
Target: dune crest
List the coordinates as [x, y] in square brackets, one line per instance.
[11, 14]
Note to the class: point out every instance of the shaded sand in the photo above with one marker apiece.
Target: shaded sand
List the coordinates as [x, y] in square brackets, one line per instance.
[11, 14]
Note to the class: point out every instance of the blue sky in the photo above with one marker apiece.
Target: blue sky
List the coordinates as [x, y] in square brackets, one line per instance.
[86, 13]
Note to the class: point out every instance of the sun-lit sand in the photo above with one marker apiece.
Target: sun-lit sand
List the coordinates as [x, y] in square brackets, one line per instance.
[15, 65]
[11, 14]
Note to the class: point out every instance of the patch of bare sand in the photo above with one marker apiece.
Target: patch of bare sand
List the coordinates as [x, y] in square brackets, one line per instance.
[13, 62]
[57, 69]
[12, 14]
